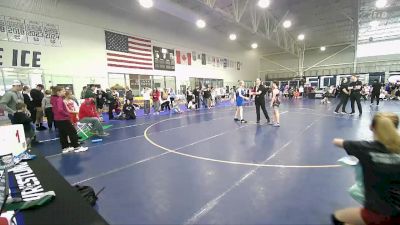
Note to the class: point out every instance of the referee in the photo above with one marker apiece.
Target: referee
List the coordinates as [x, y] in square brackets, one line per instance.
[259, 99]
[355, 95]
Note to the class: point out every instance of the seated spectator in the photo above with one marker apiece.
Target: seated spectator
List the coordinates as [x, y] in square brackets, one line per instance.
[88, 114]
[176, 106]
[129, 110]
[21, 117]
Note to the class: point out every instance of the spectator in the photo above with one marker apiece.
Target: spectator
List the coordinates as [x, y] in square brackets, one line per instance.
[88, 114]
[156, 100]
[62, 119]
[72, 107]
[47, 109]
[111, 103]
[129, 110]
[37, 97]
[10, 99]
[83, 92]
[26, 92]
[146, 98]
[90, 92]
[21, 117]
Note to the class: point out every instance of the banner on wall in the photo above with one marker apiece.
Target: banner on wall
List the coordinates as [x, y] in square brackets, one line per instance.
[34, 31]
[203, 59]
[194, 56]
[164, 59]
[225, 63]
[16, 29]
[238, 65]
[3, 30]
[184, 58]
[51, 35]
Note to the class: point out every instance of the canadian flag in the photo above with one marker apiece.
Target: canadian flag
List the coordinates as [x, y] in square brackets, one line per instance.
[183, 58]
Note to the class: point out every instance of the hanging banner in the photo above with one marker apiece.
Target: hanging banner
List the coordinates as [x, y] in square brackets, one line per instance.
[34, 31]
[3, 30]
[51, 35]
[164, 59]
[16, 29]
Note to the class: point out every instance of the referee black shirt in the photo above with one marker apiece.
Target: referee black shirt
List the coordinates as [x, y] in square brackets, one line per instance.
[260, 98]
[356, 87]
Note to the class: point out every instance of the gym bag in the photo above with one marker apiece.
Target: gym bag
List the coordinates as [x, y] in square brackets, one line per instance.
[88, 193]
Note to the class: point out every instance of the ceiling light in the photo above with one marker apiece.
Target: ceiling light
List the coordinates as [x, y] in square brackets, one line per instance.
[301, 37]
[374, 23]
[323, 48]
[146, 3]
[287, 24]
[164, 51]
[380, 4]
[263, 3]
[254, 45]
[201, 23]
[232, 37]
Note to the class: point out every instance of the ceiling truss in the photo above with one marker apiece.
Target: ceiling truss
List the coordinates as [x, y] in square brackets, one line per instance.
[262, 23]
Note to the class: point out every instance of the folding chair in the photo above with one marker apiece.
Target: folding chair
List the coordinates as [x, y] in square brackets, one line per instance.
[83, 129]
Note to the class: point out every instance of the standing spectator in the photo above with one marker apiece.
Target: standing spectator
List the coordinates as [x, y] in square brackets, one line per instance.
[146, 100]
[10, 99]
[21, 117]
[83, 92]
[90, 92]
[72, 107]
[376, 89]
[62, 119]
[172, 97]
[37, 97]
[26, 92]
[100, 100]
[129, 95]
[111, 103]
[301, 90]
[165, 101]
[207, 97]
[47, 109]
[156, 100]
[196, 93]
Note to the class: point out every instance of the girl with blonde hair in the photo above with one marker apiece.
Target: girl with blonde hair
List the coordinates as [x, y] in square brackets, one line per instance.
[239, 98]
[380, 162]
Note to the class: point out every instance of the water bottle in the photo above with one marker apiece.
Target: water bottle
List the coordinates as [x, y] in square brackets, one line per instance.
[97, 140]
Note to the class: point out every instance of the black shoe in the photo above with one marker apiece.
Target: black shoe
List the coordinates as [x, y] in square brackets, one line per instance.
[236, 119]
[243, 121]
[40, 128]
[258, 122]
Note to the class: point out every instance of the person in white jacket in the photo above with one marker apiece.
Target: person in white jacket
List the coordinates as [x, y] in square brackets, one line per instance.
[146, 93]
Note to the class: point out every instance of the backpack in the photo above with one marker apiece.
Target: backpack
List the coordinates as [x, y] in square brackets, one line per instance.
[88, 193]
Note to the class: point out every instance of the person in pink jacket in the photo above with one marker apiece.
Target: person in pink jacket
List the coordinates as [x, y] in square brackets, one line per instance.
[68, 134]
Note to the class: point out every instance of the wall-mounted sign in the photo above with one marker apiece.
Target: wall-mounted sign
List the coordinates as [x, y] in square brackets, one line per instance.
[164, 59]
[29, 31]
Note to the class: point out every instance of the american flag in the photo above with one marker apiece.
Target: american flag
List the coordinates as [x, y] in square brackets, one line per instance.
[128, 52]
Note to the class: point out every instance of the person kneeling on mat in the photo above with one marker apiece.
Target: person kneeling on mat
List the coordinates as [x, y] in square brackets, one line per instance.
[88, 114]
[129, 110]
[380, 162]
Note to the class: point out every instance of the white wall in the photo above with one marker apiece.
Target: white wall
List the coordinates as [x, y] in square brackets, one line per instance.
[82, 55]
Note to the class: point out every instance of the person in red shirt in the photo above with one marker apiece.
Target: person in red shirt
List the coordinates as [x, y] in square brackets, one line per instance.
[88, 114]
[156, 100]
